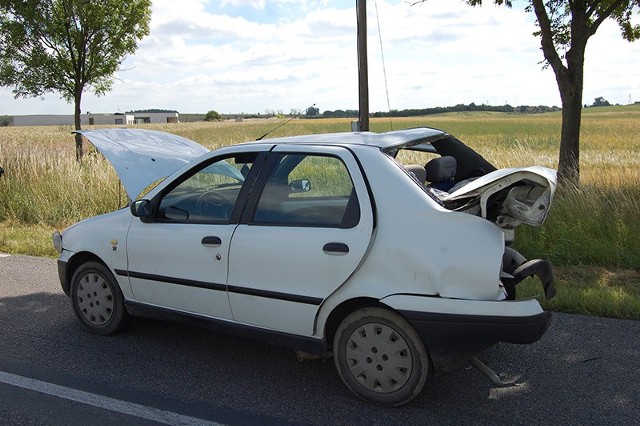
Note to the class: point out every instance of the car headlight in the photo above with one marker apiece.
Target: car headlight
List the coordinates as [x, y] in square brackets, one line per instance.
[57, 241]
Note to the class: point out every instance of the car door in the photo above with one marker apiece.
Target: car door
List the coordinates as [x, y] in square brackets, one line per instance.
[305, 234]
[177, 259]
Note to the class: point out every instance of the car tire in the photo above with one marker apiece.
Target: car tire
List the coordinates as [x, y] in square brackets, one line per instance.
[380, 357]
[97, 300]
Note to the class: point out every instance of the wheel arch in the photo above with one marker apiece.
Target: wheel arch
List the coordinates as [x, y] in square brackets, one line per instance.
[74, 263]
[340, 312]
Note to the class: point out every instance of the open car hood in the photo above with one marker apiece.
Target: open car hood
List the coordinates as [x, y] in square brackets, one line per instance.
[142, 157]
[507, 196]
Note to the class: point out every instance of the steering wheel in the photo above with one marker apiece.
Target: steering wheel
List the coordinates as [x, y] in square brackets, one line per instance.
[214, 204]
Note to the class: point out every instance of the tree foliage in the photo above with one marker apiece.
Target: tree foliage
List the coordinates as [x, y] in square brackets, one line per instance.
[68, 46]
[600, 102]
[564, 28]
[212, 115]
[313, 111]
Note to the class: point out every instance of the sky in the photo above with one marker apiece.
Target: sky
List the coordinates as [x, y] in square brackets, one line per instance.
[260, 56]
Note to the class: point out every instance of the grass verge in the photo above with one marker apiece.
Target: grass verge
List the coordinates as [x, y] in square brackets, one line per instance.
[612, 292]
[32, 240]
[591, 290]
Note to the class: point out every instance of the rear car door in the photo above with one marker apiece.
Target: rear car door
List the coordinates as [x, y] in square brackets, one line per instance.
[303, 234]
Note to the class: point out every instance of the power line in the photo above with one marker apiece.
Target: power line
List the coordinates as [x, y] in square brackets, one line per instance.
[384, 68]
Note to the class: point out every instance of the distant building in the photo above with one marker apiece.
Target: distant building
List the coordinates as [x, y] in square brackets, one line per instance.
[143, 117]
[117, 119]
[91, 119]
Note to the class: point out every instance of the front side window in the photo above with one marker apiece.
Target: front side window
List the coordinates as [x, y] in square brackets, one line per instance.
[209, 194]
[308, 190]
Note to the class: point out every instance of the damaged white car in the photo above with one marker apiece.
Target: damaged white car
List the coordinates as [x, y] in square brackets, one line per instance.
[323, 243]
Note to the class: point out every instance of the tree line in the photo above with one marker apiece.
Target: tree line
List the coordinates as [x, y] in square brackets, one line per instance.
[414, 112]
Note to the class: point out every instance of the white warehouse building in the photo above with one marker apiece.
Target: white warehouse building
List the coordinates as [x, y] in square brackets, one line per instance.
[90, 119]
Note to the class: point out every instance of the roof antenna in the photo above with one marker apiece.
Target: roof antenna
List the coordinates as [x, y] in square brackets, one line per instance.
[282, 124]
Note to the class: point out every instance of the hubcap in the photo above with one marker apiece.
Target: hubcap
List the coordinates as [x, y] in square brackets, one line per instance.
[379, 358]
[95, 299]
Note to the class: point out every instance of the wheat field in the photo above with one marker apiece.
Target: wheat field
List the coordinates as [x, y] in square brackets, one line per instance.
[591, 234]
[45, 187]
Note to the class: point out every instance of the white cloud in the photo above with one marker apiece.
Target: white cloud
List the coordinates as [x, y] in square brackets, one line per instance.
[250, 56]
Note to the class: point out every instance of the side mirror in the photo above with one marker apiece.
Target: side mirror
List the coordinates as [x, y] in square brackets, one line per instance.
[300, 185]
[141, 209]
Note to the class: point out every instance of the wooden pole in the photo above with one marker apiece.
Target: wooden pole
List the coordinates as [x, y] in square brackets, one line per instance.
[363, 70]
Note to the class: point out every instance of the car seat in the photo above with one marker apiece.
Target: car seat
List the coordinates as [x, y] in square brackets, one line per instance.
[441, 172]
[418, 171]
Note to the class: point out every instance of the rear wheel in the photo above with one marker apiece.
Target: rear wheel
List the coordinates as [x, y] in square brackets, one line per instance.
[380, 357]
[97, 300]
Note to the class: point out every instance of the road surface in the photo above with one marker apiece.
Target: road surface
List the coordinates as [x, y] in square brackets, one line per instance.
[585, 370]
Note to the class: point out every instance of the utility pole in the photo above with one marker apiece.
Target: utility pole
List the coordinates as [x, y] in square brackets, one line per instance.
[363, 70]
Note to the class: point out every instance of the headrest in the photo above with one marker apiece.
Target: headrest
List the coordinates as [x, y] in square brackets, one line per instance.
[418, 171]
[441, 169]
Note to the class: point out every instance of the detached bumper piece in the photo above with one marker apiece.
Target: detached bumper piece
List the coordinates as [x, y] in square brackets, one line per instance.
[538, 267]
[516, 268]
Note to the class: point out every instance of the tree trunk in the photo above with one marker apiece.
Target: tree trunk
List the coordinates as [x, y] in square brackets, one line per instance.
[570, 79]
[569, 159]
[570, 83]
[78, 126]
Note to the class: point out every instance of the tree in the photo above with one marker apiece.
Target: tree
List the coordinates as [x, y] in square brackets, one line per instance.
[312, 111]
[212, 116]
[600, 102]
[564, 28]
[68, 46]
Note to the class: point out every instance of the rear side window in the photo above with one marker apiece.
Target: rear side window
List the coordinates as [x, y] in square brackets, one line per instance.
[308, 190]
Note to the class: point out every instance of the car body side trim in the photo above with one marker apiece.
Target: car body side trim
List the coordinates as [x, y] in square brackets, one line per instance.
[312, 345]
[172, 280]
[309, 300]
[297, 298]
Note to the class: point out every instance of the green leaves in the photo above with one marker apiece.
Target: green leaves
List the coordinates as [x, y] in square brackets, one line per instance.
[67, 46]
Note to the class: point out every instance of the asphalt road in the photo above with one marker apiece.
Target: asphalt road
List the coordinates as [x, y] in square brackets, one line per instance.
[585, 370]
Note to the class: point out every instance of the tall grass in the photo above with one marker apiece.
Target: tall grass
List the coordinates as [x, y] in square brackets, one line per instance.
[44, 185]
[597, 224]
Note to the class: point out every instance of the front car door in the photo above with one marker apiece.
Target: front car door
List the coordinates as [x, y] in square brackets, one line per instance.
[301, 237]
[178, 258]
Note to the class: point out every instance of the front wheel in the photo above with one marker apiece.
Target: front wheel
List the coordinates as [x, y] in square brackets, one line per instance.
[97, 300]
[380, 357]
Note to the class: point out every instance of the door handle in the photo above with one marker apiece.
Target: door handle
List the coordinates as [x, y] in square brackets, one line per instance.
[211, 241]
[336, 248]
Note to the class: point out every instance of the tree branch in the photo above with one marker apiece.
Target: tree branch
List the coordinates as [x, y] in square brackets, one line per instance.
[546, 36]
[604, 15]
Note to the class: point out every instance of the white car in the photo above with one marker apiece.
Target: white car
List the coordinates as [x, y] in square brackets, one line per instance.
[323, 243]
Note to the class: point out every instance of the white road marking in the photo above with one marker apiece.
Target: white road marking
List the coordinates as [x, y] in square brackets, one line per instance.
[104, 402]
[4, 255]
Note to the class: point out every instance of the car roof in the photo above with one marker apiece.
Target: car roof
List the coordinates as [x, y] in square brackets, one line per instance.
[383, 141]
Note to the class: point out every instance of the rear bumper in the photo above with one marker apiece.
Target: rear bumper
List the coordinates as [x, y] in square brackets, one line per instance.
[453, 339]
[462, 329]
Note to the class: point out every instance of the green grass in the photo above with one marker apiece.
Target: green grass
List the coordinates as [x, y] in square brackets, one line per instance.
[23, 239]
[593, 229]
[589, 226]
[582, 289]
